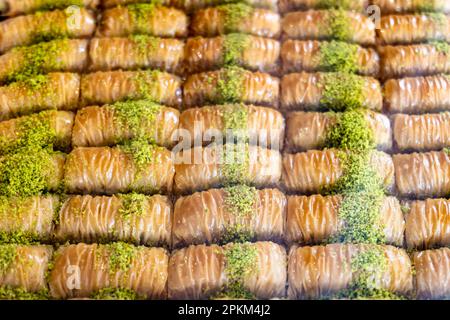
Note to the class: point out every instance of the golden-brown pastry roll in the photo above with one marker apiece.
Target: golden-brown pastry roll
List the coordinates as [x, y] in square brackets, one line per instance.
[53, 91]
[112, 124]
[414, 60]
[417, 94]
[143, 18]
[108, 87]
[336, 270]
[332, 91]
[428, 224]
[238, 213]
[432, 273]
[31, 171]
[133, 217]
[308, 130]
[237, 17]
[27, 219]
[294, 5]
[136, 167]
[202, 168]
[16, 7]
[315, 219]
[423, 174]
[43, 26]
[24, 266]
[409, 29]
[49, 127]
[57, 55]
[234, 271]
[329, 25]
[250, 52]
[333, 56]
[313, 170]
[259, 125]
[231, 85]
[422, 132]
[82, 270]
[406, 6]
[139, 51]
[194, 5]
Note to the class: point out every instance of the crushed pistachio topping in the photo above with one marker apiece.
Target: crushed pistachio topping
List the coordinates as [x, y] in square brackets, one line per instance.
[337, 56]
[37, 59]
[235, 121]
[33, 85]
[25, 173]
[8, 254]
[145, 44]
[234, 14]
[140, 14]
[342, 91]
[427, 6]
[10, 293]
[145, 84]
[441, 46]
[133, 204]
[233, 46]
[235, 161]
[19, 237]
[116, 294]
[334, 4]
[439, 19]
[350, 132]
[338, 25]
[45, 5]
[229, 85]
[33, 131]
[50, 30]
[120, 255]
[241, 262]
[141, 152]
[138, 117]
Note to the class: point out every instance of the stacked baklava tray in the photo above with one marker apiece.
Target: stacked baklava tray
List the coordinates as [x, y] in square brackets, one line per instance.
[211, 149]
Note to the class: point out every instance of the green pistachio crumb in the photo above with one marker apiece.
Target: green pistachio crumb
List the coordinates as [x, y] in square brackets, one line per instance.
[8, 254]
[144, 84]
[45, 5]
[235, 121]
[116, 294]
[142, 152]
[229, 85]
[145, 44]
[441, 46]
[10, 293]
[133, 204]
[234, 14]
[233, 46]
[240, 200]
[235, 163]
[342, 91]
[338, 25]
[140, 14]
[334, 4]
[120, 255]
[337, 56]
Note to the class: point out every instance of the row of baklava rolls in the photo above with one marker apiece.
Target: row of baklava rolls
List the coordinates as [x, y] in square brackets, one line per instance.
[12, 8]
[259, 270]
[214, 217]
[142, 167]
[297, 91]
[109, 125]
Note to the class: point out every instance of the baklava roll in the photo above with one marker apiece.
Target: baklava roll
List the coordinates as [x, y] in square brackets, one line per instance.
[332, 91]
[421, 132]
[194, 5]
[53, 91]
[408, 6]
[329, 25]
[250, 52]
[340, 270]
[136, 52]
[414, 60]
[112, 124]
[27, 219]
[315, 219]
[423, 174]
[294, 5]
[217, 165]
[134, 218]
[143, 18]
[234, 271]
[312, 171]
[108, 87]
[428, 224]
[333, 56]
[432, 274]
[16, 7]
[238, 213]
[236, 17]
[417, 94]
[309, 130]
[43, 26]
[49, 127]
[31, 171]
[25, 267]
[136, 167]
[409, 29]
[57, 55]
[257, 125]
[83, 270]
